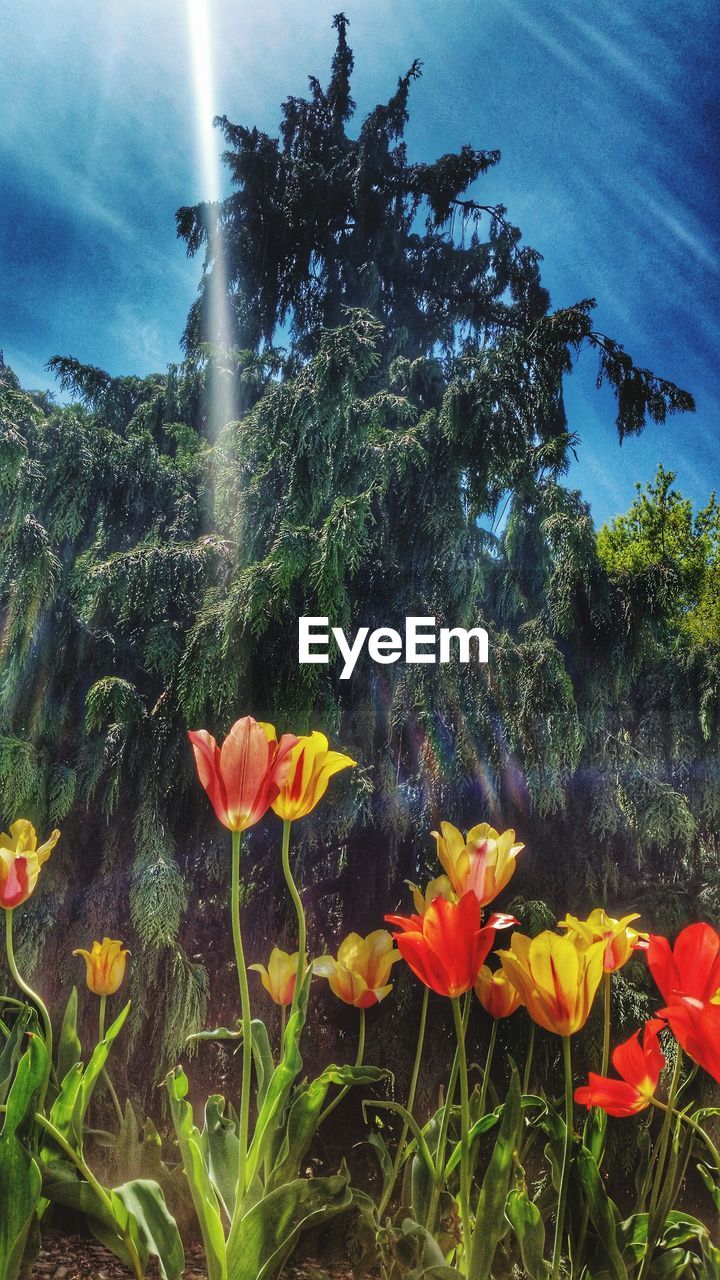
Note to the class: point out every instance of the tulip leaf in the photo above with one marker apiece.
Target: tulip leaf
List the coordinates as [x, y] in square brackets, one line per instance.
[602, 1211]
[69, 1050]
[420, 1141]
[203, 1193]
[220, 1148]
[217, 1033]
[262, 1058]
[483, 1125]
[98, 1058]
[490, 1219]
[305, 1111]
[157, 1228]
[526, 1221]
[14, 1047]
[20, 1177]
[260, 1242]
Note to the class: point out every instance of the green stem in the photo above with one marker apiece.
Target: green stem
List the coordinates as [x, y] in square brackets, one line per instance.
[299, 912]
[464, 1149]
[32, 995]
[488, 1065]
[358, 1063]
[658, 1160]
[105, 1073]
[444, 1127]
[246, 1020]
[387, 1194]
[92, 1182]
[607, 1003]
[283, 1023]
[697, 1128]
[529, 1058]
[567, 1150]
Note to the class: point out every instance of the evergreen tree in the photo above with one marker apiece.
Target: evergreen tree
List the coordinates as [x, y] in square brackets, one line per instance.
[405, 457]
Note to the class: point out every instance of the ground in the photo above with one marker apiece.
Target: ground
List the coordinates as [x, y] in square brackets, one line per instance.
[72, 1258]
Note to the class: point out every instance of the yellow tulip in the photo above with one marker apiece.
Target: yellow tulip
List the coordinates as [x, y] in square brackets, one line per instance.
[278, 978]
[312, 765]
[620, 940]
[105, 966]
[440, 887]
[556, 977]
[20, 862]
[496, 993]
[360, 974]
[483, 862]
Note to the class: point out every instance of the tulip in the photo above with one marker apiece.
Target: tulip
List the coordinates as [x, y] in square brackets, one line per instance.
[620, 942]
[245, 776]
[447, 946]
[639, 1067]
[484, 862]
[360, 974]
[440, 887]
[278, 978]
[20, 862]
[104, 966]
[556, 978]
[691, 968]
[496, 993]
[619, 938]
[696, 1026]
[312, 765]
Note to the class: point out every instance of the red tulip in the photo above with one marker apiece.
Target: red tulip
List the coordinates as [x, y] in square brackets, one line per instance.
[691, 967]
[696, 1025]
[447, 946]
[245, 775]
[638, 1065]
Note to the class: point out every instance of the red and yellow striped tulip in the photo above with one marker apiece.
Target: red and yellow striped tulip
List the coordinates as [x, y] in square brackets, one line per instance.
[20, 862]
[482, 862]
[556, 977]
[312, 765]
[619, 938]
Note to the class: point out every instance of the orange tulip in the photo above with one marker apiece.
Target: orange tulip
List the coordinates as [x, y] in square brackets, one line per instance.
[639, 1067]
[244, 776]
[312, 765]
[484, 862]
[105, 966]
[278, 978]
[691, 967]
[620, 940]
[20, 862]
[496, 993]
[557, 978]
[360, 974]
[447, 946]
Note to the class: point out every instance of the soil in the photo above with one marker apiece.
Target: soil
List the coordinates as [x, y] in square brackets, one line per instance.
[64, 1257]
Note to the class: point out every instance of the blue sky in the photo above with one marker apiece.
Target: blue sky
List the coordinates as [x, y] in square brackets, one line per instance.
[605, 114]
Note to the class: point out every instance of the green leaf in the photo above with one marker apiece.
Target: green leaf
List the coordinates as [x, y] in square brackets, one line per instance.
[97, 1061]
[156, 1226]
[490, 1220]
[602, 1211]
[261, 1241]
[221, 1151]
[14, 1047]
[204, 1198]
[262, 1058]
[305, 1112]
[69, 1050]
[526, 1221]
[20, 1177]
